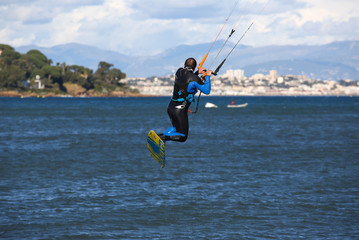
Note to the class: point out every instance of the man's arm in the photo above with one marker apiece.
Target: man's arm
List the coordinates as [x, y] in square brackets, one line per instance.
[205, 88]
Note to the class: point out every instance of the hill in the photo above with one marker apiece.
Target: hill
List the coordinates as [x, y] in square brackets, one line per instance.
[335, 61]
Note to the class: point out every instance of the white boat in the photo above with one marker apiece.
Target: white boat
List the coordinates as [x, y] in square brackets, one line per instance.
[210, 105]
[237, 105]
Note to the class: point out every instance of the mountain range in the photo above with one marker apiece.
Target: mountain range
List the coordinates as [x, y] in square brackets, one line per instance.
[334, 61]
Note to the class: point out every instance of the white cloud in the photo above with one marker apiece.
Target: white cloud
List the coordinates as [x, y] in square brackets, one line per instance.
[312, 22]
[148, 27]
[321, 10]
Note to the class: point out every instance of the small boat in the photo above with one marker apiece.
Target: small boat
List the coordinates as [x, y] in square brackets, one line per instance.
[210, 105]
[237, 105]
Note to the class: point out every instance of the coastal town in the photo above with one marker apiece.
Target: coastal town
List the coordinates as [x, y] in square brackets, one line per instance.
[235, 83]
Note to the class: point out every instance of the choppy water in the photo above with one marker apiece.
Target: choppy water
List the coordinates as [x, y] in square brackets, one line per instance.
[282, 168]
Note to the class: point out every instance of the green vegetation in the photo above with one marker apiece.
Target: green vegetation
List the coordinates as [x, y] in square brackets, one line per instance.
[24, 72]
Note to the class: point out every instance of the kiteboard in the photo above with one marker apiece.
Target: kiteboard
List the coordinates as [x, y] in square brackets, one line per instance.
[156, 147]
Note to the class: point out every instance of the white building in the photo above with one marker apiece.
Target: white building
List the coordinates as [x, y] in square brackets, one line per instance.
[280, 80]
[273, 76]
[258, 76]
[233, 74]
[38, 83]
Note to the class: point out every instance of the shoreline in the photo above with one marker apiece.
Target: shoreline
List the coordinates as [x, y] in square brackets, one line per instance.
[45, 95]
[16, 94]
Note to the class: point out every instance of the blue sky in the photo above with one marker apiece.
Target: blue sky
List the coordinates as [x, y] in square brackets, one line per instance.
[139, 27]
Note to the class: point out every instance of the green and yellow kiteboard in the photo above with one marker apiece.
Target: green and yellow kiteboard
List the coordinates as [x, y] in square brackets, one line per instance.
[156, 147]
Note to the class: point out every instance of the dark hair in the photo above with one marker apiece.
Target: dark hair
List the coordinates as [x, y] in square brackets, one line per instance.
[190, 63]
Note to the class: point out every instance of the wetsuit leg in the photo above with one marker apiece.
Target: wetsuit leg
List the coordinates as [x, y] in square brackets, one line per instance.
[178, 114]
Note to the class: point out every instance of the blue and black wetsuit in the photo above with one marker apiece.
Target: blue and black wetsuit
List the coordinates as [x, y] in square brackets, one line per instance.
[186, 85]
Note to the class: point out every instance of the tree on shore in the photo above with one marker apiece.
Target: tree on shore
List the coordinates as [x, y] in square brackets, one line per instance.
[106, 77]
[16, 69]
[11, 73]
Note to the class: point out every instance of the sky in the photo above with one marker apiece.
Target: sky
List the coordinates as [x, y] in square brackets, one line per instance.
[141, 27]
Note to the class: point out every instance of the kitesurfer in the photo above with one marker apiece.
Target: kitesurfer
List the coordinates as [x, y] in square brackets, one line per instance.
[187, 83]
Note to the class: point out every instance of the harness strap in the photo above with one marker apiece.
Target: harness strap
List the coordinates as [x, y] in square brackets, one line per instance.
[189, 98]
[178, 100]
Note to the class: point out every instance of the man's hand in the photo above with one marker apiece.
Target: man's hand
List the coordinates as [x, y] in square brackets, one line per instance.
[201, 70]
[209, 72]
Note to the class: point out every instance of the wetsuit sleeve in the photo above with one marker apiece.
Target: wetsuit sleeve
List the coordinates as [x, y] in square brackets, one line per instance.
[205, 88]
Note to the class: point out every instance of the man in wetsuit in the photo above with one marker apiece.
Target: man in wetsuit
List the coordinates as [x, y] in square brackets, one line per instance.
[186, 85]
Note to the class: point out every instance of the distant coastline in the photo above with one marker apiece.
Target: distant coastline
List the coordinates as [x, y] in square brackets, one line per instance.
[14, 94]
[234, 83]
[63, 80]
[34, 75]
[51, 94]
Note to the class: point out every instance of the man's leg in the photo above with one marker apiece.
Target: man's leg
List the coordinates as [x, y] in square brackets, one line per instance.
[179, 130]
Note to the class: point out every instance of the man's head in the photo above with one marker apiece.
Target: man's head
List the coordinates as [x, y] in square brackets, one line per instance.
[190, 63]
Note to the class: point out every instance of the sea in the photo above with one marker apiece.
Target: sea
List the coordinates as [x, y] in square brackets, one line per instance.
[79, 168]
